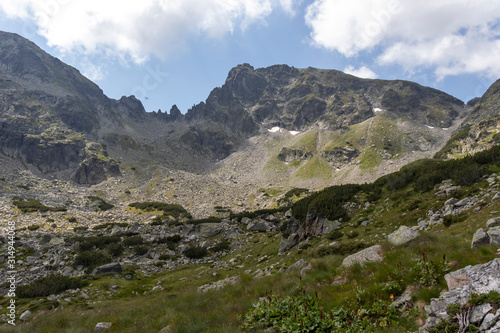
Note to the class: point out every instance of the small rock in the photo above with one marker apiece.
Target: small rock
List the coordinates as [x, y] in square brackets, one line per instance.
[402, 236]
[113, 268]
[25, 315]
[451, 201]
[101, 327]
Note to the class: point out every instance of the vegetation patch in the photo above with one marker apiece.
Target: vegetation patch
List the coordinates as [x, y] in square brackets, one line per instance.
[195, 252]
[33, 205]
[50, 285]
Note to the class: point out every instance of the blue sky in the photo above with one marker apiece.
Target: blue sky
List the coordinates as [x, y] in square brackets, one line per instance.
[176, 51]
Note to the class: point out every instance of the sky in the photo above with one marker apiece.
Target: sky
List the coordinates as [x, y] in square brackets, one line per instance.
[168, 52]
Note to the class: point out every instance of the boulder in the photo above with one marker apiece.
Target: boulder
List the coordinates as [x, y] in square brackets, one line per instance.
[299, 264]
[288, 243]
[25, 315]
[494, 222]
[113, 268]
[494, 234]
[260, 225]
[371, 254]
[480, 238]
[479, 279]
[208, 229]
[402, 236]
[101, 327]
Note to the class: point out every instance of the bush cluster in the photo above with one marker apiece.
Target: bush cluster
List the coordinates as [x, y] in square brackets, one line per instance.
[195, 252]
[49, 285]
[32, 205]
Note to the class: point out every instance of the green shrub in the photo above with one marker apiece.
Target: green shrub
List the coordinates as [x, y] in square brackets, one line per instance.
[334, 234]
[51, 284]
[140, 250]
[210, 219]
[102, 205]
[168, 209]
[88, 243]
[195, 252]
[34, 227]
[448, 220]
[91, 259]
[222, 246]
[115, 249]
[341, 249]
[32, 205]
[133, 240]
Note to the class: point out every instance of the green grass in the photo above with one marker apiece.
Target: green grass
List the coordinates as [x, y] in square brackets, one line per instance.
[317, 168]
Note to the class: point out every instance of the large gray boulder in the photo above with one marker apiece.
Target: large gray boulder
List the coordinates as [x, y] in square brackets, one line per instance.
[480, 238]
[260, 225]
[494, 222]
[208, 230]
[371, 254]
[479, 279]
[288, 243]
[494, 234]
[402, 236]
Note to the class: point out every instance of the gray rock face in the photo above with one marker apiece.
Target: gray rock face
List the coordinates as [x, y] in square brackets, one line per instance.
[288, 243]
[494, 234]
[113, 268]
[479, 279]
[494, 222]
[260, 225]
[371, 254]
[480, 238]
[208, 229]
[402, 236]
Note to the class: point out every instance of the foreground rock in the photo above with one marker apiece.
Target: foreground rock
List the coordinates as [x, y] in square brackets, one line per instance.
[479, 279]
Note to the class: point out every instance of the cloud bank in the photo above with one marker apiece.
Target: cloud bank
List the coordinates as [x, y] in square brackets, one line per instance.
[137, 29]
[449, 36]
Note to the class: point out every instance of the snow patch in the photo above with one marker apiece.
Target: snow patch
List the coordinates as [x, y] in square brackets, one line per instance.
[429, 126]
[377, 110]
[274, 129]
[294, 132]
[445, 129]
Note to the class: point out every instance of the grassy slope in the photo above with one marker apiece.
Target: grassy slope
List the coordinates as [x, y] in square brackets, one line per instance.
[185, 310]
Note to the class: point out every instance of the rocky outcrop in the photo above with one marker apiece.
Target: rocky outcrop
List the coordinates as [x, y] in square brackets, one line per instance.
[479, 279]
[289, 155]
[340, 155]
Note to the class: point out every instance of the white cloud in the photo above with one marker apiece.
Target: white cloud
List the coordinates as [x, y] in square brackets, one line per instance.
[450, 36]
[93, 72]
[137, 29]
[363, 72]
